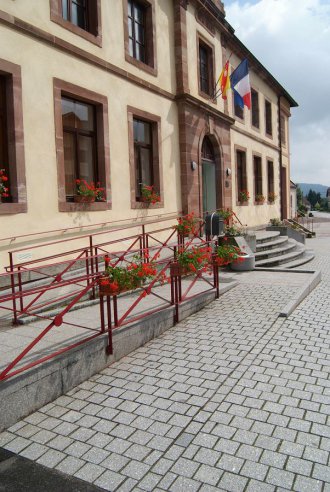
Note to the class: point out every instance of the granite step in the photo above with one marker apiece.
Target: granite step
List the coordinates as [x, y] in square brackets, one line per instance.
[270, 253]
[278, 241]
[283, 258]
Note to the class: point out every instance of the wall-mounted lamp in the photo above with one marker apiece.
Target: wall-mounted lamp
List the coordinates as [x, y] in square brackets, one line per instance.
[193, 165]
[228, 172]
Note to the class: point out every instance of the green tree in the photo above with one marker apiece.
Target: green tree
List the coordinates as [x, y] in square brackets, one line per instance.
[300, 196]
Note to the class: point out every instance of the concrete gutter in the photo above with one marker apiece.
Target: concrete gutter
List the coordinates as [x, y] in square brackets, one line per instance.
[302, 293]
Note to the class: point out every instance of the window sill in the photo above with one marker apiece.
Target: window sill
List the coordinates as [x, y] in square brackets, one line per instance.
[142, 66]
[13, 208]
[207, 96]
[259, 203]
[84, 207]
[95, 39]
[143, 205]
[242, 204]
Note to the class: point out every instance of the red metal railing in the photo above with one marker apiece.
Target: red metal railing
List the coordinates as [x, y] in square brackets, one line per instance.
[158, 245]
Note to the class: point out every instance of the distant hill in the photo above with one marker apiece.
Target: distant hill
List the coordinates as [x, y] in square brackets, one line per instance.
[322, 189]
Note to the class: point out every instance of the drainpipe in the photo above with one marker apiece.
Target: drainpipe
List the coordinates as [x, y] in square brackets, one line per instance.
[280, 154]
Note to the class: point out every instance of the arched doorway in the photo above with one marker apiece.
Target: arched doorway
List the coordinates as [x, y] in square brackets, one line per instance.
[209, 176]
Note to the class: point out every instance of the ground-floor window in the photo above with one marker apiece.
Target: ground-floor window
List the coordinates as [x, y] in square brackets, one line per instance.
[145, 154]
[257, 165]
[12, 163]
[82, 142]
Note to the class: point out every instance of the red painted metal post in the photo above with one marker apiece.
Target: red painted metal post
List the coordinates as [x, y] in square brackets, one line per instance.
[19, 276]
[102, 314]
[92, 263]
[110, 346]
[12, 281]
[115, 310]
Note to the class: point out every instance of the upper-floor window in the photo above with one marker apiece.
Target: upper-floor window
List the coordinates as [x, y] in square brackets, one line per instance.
[75, 11]
[255, 108]
[268, 118]
[238, 111]
[82, 17]
[206, 83]
[139, 28]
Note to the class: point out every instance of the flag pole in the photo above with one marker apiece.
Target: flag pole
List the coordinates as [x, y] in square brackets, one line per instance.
[218, 93]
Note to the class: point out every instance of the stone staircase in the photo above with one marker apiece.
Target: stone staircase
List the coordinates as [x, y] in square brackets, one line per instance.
[276, 251]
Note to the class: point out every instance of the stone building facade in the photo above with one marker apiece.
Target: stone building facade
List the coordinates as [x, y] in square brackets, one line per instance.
[121, 92]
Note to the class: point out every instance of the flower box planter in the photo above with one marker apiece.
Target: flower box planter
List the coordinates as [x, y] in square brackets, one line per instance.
[107, 289]
[84, 199]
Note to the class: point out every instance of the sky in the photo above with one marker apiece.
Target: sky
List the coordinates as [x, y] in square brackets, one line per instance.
[291, 38]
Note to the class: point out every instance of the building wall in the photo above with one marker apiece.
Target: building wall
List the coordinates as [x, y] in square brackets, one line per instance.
[40, 63]
[44, 51]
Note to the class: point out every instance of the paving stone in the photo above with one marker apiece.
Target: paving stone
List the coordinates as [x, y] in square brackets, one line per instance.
[304, 484]
[254, 470]
[110, 480]
[185, 467]
[233, 483]
[70, 465]
[51, 458]
[89, 472]
[135, 469]
[207, 456]
[186, 484]
[230, 463]
[280, 478]
[208, 475]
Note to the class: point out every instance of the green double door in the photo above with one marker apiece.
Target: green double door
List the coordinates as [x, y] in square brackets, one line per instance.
[209, 186]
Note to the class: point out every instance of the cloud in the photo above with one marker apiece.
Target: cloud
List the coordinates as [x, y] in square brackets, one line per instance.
[292, 39]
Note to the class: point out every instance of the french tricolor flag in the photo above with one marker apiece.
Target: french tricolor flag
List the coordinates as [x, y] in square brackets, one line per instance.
[240, 83]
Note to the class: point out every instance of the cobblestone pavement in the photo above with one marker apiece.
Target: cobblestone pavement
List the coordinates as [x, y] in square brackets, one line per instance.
[233, 399]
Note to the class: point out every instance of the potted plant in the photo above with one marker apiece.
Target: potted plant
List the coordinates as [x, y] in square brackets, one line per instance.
[243, 196]
[272, 197]
[149, 195]
[259, 199]
[227, 253]
[193, 260]
[187, 225]
[3, 188]
[226, 214]
[117, 279]
[88, 192]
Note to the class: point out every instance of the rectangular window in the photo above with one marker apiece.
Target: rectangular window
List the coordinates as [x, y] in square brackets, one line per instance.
[139, 28]
[239, 112]
[79, 141]
[4, 164]
[145, 156]
[270, 176]
[241, 174]
[82, 143]
[268, 118]
[257, 164]
[283, 130]
[255, 108]
[12, 139]
[83, 17]
[206, 82]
